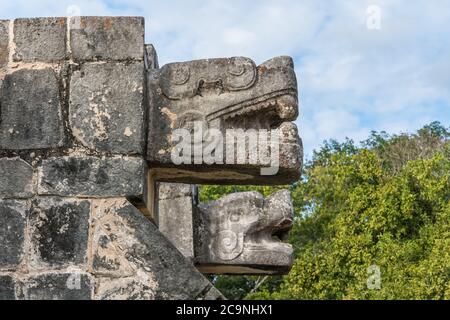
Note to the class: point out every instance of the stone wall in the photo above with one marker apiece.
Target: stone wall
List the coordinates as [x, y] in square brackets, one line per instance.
[72, 166]
[88, 127]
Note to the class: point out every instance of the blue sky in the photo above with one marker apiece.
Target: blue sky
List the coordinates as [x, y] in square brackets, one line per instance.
[352, 79]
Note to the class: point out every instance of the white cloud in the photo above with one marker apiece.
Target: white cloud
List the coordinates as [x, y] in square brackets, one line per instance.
[236, 36]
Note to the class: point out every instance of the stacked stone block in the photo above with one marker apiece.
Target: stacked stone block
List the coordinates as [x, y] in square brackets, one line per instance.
[72, 141]
[176, 204]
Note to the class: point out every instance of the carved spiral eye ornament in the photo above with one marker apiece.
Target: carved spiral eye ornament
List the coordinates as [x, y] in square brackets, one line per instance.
[229, 245]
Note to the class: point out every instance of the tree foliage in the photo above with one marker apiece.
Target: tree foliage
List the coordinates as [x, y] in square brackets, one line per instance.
[384, 204]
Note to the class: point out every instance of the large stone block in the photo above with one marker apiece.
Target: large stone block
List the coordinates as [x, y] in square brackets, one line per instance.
[4, 43]
[106, 107]
[59, 286]
[176, 204]
[59, 233]
[108, 38]
[92, 177]
[224, 121]
[31, 111]
[12, 233]
[40, 39]
[136, 260]
[176, 225]
[7, 288]
[16, 178]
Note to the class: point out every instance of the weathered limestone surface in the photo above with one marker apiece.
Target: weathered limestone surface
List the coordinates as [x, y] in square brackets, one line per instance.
[151, 57]
[31, 110]
[142, 263]
[17, 178]
[72, 143]
[41, 39]
[59, 286]
[4, 41]
[128, 257]
[108, 38]
[86, 121]
[12, 233]
[7, 288]
[59, 233]
[177, 202]
[92, 177]
[168, 191]
[106, 107]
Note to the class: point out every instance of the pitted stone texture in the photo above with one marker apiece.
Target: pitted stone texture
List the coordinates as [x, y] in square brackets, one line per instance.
[176, 225]
[176, 202]
[128, 245]
[238, 234]
[59, 233]
[176, 190]
[4, 43]
[59, 286]
[108, 38]
[132, 288]
[106, 107]
[7, 288]
[16, 178]
[40, 39]
[31, 111]
[92, 177]
[291, 146]
[12, 233]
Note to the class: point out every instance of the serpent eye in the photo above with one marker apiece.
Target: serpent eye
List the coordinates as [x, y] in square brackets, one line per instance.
[236, 69]
[241, 74]
[180, 75]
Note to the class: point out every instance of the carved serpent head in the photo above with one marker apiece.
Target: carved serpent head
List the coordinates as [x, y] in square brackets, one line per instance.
[221, 94]
[247, 230]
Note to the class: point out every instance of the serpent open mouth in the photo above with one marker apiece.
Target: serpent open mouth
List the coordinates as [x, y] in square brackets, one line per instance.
[273, 230]
[267, 108]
